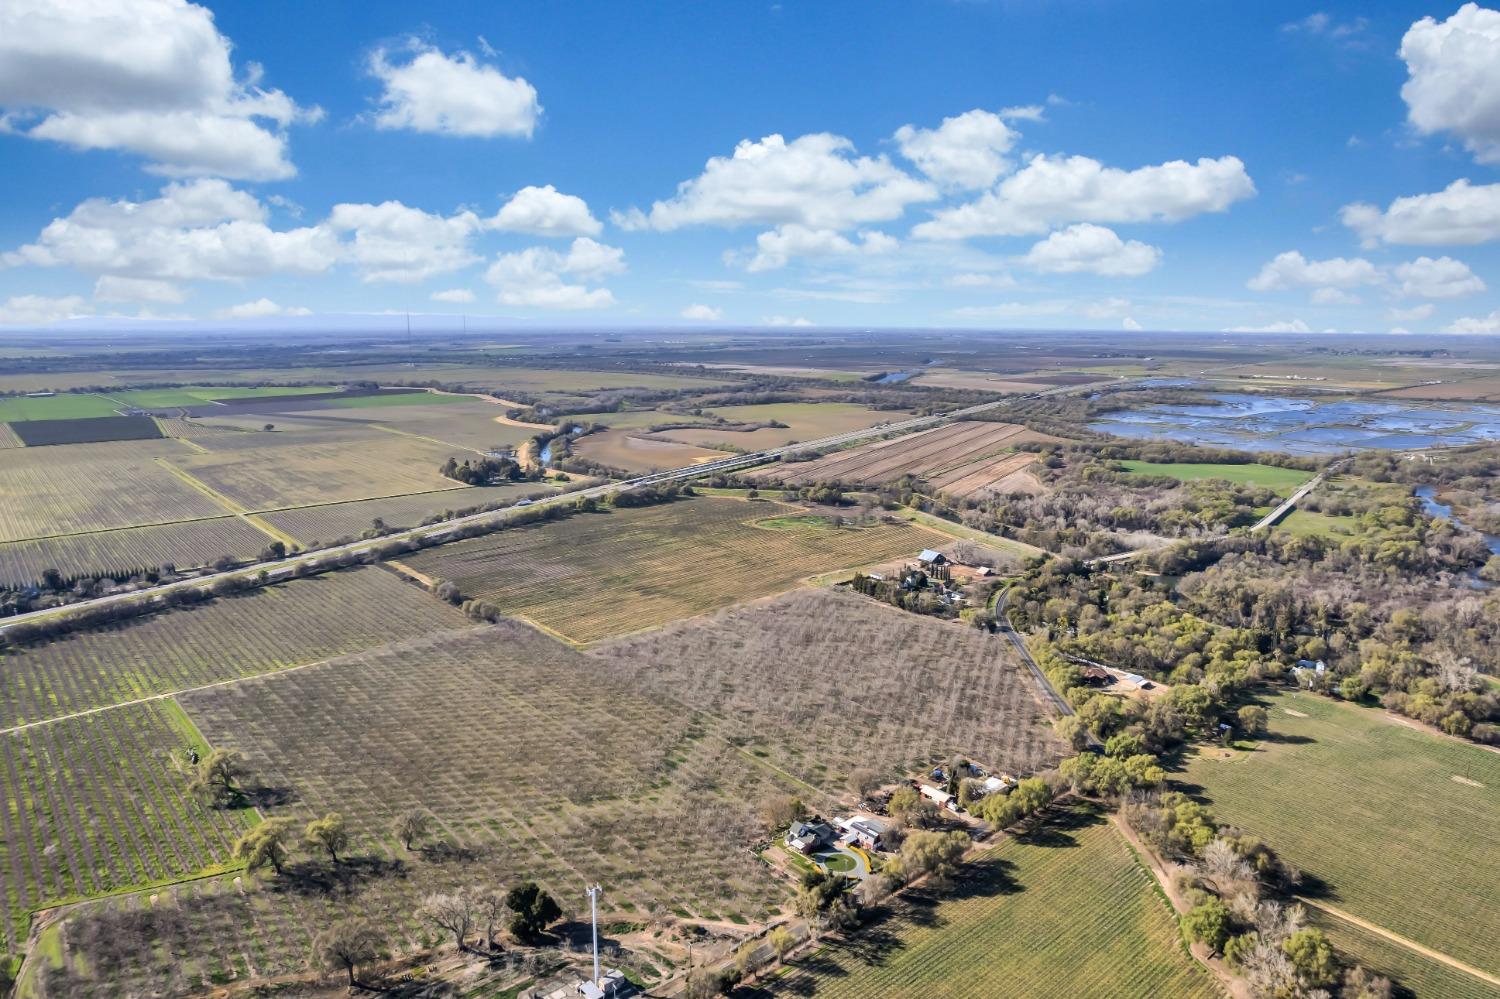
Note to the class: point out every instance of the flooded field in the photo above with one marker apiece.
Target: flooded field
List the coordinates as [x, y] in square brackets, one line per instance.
[1308, 426]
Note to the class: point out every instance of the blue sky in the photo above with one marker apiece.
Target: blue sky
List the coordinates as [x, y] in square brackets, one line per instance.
[1016, 164]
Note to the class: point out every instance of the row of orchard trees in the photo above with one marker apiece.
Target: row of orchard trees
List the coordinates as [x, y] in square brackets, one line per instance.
[526, 910]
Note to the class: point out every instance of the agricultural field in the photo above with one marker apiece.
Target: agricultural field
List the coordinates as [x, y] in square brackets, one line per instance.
[632, 419]
[1282, 481]
[810, 676]
[969, 459]
[8, 438]
[46, 492]
[1415, 974]
[1312, 524]
[634, 453]
[457, 421]
[804, 421]
[510, 382]
[298, 474]
[64, 406]
[94, 430]
[129, 550]
[97, 804]
[327, 522]
[269, 629]
[1336, 785]
[197, 395]
[593, 576]
[1068, 911]
[432, 723]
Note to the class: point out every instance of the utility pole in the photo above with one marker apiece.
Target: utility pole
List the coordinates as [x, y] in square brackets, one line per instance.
[594, 918]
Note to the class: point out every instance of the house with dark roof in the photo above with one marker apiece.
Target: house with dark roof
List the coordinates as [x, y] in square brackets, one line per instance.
[809, 837]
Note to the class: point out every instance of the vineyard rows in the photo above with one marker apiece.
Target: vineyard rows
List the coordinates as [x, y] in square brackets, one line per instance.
[269, 629]
[129, 550]
[95, 805]
[810, 678]
[92, 487]
[978, 479]
[335, 520]
[1426, 873]
[469, 424]
[8, 438]
[942, 449]
[1070, 913]
[594, 576]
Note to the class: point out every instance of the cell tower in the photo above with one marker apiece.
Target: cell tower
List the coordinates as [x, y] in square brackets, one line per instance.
[594, 893]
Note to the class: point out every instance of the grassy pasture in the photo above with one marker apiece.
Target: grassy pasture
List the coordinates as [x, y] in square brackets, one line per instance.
[92, 487]
[334, 471]
[597, 575]
[280, 626]
[641, 419]
[386, 399]
[197, 395]
[326, 522]
[1066, 912]
[65, 406]
[187, 545]
[96, 806]
[811, 676]
[1282, 481]
[456, 420]
[562, 380]
[1371, 809]
[804, 421]
[1310, 524]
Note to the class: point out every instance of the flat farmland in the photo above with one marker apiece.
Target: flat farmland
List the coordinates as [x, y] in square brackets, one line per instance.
[1395, 824]
[128, 550]
[804, 421]
[809, 678]
[95, 805]
[273, 628]
[1066, 912]
[8, 437]
[634, 453]
[300, 474]
[64, 406]
[197, 395]
[972, 455]
[540, 381]
[336, 520]
[1416, 974]
[90, 487]
[635, 419]
[455, 420]
[96, 429]
[1282, 481]
[597, 575]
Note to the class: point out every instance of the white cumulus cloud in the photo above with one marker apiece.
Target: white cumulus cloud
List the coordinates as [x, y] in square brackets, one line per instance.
[965, 151]
[545, 211]
[1443, 277]
[1415, 314]
[451, 95]
[1091, 249]
[394, 242]
[453, 296]
[1459, 214]
[1454, 78]
[703, 313]
[38, 310]
[1292, 270]
[1280, 326]
[113, 288]
[150, 77]
[775, 248]
[1053, 190]
[536, 276]
[1475, 324]
[815, 181]
[261, 308]
[787, 321]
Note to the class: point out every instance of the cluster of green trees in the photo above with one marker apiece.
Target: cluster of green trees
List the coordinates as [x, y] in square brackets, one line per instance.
[484, 471]
[1239, 890]
[919, 598]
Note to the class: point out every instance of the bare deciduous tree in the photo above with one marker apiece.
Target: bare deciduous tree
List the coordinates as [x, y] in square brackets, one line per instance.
[452, 912]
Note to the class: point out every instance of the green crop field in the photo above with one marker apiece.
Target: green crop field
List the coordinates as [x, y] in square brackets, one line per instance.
[66, 406]
[1283, 481]
[1309, 523]
[1068, 912]
[596, 575]
[273, 628]
[385, 399]
[1416, 974]
[1397, 824]
[197, 395]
